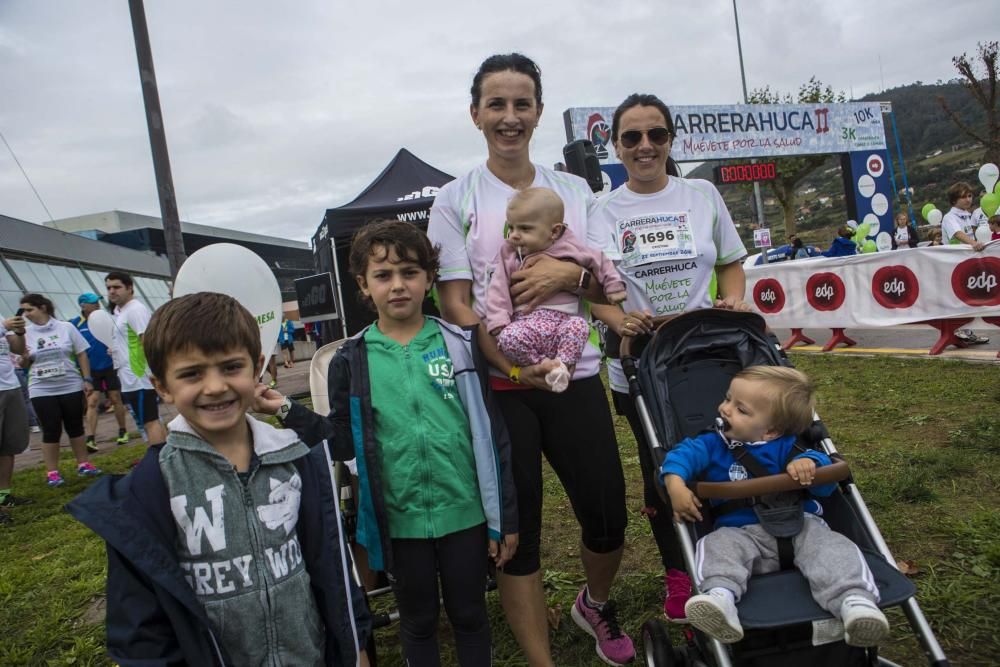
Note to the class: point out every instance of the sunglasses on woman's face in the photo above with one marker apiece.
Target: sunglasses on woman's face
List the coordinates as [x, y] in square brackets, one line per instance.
[657, 135]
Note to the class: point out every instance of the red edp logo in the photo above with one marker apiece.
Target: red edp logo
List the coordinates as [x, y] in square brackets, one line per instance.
[825, 291]
[976, 281]
[769, 296]
[895, 287]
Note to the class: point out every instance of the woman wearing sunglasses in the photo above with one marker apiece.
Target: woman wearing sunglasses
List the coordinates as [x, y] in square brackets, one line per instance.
[673, 241]
[574, 429]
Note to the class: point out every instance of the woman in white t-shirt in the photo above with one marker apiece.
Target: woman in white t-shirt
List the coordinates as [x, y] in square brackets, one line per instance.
[677, 249]
[58, 379]
[574, 430]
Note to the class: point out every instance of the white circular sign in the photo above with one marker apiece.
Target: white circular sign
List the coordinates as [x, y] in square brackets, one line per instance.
[880, 204]
[875, 165]
[866, 186]
[883, 241]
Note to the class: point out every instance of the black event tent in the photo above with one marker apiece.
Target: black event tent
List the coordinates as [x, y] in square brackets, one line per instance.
[405, 191]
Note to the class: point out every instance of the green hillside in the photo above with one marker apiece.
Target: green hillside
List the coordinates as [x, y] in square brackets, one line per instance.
[923, 129]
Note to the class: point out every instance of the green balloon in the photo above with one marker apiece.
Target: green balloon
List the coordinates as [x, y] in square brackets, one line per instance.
[990, 203]
[928, 207]
[869, 246]
[996, 188]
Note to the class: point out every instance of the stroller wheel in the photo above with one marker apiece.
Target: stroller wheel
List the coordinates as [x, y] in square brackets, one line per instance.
[656, 641]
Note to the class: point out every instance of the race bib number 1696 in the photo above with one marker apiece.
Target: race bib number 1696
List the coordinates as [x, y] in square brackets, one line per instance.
[655, 237]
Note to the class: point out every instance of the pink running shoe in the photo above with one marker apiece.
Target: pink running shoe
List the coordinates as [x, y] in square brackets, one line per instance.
[678, 589]
[613, 646]
[53, 478]
[87, 469]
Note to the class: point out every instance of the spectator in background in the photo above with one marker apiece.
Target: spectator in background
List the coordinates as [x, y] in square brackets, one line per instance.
[58, 381]
[935, 236]
[287, 341]
[796, 249]
[958, 225]
[131, 318]
[13, 416]
[843, 245]
[102, 369]
[904, 235]
[995, 227]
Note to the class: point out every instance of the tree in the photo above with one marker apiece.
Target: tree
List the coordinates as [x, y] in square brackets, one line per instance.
[793, 170]
[984, 92]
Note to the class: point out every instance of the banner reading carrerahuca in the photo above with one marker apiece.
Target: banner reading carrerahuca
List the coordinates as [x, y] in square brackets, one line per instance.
[725, 132]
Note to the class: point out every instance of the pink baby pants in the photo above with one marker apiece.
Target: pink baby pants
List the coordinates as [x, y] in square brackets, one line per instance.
[544, 334]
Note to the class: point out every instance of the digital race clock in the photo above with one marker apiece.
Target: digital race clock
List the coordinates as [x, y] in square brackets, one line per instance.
[745, 173]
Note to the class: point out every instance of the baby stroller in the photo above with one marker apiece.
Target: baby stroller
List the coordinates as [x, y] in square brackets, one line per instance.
[677, 380]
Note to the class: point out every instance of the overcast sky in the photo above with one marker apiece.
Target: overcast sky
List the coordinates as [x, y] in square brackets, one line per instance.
[276, 111]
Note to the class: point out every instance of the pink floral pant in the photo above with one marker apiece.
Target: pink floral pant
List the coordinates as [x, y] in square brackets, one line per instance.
[544, 334]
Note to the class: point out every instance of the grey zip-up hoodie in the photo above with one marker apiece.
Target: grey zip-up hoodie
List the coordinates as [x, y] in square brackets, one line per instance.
[238, 547]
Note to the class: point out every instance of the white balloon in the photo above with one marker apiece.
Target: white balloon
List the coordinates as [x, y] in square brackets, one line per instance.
[988, 175]
[883, 241]
[984, 234]
[935, 216]
[873, 223]
[102, 325]
[853, 224]
[234, 270]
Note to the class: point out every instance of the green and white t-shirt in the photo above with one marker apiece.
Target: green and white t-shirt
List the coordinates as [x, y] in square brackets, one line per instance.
[131, 321]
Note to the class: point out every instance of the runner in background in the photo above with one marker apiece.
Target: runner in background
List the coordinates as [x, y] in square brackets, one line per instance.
[131, 319]
[102, 369]
[286, 339]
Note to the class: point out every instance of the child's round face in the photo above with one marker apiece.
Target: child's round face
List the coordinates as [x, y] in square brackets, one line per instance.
[212, 391]
[528, 229]
[396, 286]
[747, 409]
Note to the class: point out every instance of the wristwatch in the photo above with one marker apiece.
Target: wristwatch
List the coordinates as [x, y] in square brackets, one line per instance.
[584, 282]
[285, 408]
[88, 380]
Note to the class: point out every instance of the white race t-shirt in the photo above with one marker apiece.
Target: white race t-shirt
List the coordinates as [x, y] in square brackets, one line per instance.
[54, 347]
[467, 220]
[902, 236]
[131, 321]
[8, 379]
[666, 245]
[957, 220]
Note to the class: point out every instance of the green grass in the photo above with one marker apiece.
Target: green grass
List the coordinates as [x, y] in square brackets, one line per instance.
[923, 438]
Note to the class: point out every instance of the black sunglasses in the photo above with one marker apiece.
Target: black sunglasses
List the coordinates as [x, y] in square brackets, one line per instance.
[657, 135]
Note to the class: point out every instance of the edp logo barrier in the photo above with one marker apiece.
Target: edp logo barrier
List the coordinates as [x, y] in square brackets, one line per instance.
[945, 287]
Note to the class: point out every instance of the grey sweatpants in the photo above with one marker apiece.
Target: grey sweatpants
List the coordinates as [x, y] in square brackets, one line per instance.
[831, 563]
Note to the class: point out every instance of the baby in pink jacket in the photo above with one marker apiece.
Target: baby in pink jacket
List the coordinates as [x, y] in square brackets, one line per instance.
[554, 330]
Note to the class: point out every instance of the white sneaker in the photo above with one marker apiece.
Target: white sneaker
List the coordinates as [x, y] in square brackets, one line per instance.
[36, 429]
[864, 622]
[715, 614]
[558, 378]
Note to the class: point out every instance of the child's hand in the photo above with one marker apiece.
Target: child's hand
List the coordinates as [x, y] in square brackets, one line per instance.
[802, 470]
[684, 502]
[266, 400]
[501, 552]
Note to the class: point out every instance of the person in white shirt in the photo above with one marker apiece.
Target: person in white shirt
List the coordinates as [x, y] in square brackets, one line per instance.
[58, 381]
[131, 318]
[13, 414]
[958, 225]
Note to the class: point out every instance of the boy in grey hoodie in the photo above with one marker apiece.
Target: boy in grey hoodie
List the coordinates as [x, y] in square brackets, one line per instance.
[249, 566]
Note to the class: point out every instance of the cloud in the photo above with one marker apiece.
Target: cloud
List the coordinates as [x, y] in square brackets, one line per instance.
[276, 111]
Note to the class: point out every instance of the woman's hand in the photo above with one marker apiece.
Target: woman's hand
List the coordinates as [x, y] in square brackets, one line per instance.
[534, 376]
[733, 303]
[635, 323]
[88, 387]
[14, 324]
[539, 278]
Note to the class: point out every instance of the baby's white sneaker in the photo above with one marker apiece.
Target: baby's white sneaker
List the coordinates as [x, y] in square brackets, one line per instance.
[558, 378]
[714, 613]
[864, 622]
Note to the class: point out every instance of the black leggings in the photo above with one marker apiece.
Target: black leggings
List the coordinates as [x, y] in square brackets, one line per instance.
[460, 561]
[660, 513]
[575, 432]
[56, 411]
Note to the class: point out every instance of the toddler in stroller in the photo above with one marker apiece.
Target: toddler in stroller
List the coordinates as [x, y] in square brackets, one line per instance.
[763, 410]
